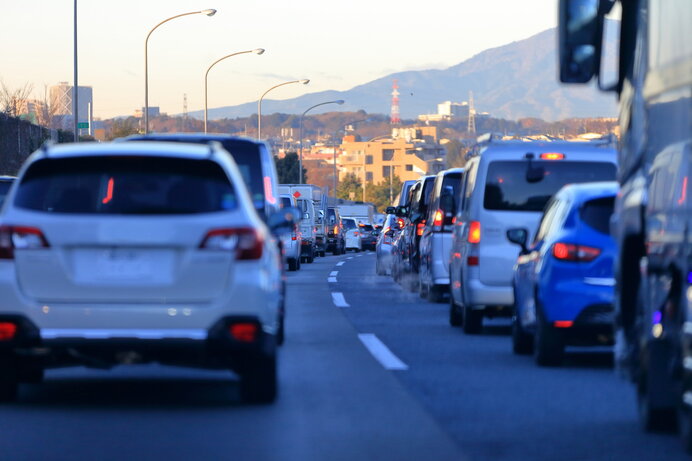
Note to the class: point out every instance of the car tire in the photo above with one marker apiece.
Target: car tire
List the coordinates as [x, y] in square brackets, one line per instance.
[9, 379]
[258, 383]
[293, 264]
[549, 345]
[456, 318]
[653, 417]
[522, 342]
[435, 294]
[473, 320]
[309, 259]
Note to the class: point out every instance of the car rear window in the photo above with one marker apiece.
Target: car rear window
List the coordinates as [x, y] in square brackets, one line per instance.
[286, 202]
[596, 213]
[453, 181]
[126, 185]
[246, 155]
[508, 187]
[349, 223]
[367, 227]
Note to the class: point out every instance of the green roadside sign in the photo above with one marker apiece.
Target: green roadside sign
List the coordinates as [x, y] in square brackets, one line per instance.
[83, 125]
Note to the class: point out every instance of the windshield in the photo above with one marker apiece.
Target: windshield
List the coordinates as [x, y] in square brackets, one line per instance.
[507, 187]
[126, 185]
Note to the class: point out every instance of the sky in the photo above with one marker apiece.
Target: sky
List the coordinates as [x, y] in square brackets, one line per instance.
[337, 45]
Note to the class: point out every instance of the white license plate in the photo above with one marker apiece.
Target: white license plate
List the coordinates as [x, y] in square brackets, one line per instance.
[123, 265]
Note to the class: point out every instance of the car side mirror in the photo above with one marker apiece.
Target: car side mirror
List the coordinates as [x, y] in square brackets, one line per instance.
[519, 236]
[390, 210]
[580, 37]
[402, 211]
[284, 220]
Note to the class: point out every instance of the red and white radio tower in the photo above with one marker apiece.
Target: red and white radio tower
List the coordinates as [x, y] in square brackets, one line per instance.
[395, 104]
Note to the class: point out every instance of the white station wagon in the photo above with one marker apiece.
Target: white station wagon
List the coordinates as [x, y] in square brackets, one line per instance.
[133, 253]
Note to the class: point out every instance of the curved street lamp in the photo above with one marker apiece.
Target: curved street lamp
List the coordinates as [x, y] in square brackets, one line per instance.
[206, 74]
[304, 81]
[300, 156]
[208, 12]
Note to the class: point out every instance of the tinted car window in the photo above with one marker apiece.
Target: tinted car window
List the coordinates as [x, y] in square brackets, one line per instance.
[4, 188]
[596, 214]
[349, 223]
[508, 187]
[285, 202]
[245, 153]
[126, 185]
[452, 180]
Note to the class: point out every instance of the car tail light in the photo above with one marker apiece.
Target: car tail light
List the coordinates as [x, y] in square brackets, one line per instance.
[438, 220]
[419, 227]
[401, 222]
[7, 331]
[563, 323]
[472, 261]
[336, 230]
[20, 238]
[356, 233]
[576, 253]
[245, 332]
[552, 156]
[246, 242]
[474, 232]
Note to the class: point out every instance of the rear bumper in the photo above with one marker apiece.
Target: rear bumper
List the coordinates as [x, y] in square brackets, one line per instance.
[478, 294]
[213, 347]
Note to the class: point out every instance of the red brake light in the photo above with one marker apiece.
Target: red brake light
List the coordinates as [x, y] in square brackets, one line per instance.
[401, 222]
[246, 242]
[20, 238]
[575, 253]
[439, 217]
[7, 331]
[552, 156]
[336, 230]
[472, 261]
[474, 232]
[244, 332]
[563, 323]
[419, 227]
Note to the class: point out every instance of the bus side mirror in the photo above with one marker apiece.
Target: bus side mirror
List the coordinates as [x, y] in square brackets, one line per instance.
[580, 36]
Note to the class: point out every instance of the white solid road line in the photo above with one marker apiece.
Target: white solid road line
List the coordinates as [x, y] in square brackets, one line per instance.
[333, 273]
[340, 263]
[350, 257]
[381, 352]
[339, 300]
[331, 279]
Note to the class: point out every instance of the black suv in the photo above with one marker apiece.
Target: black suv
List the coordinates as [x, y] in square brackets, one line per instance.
[335, 232]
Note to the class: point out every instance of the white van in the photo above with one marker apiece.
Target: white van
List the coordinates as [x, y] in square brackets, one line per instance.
[507, 184]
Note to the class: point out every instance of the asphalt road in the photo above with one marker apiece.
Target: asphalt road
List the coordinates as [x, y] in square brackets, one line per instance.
[432, 393]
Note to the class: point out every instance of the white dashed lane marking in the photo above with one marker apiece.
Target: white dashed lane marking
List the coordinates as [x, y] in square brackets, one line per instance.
[381, 352]
[339, 300]
[333, 273]
[331, 279]
[341, 263]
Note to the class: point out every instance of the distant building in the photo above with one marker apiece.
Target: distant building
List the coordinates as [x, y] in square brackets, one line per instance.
[33, 110]
[61, 98]
[408, 154]
[448, 110]
[154, 111]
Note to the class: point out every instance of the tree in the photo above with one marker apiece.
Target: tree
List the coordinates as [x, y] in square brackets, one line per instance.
[13, 101]
[384, 193]
[350, 188]
[455, 154]
[287, 169]
[124, 127]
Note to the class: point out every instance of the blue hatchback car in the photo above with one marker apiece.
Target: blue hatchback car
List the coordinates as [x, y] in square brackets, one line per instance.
[563, 281]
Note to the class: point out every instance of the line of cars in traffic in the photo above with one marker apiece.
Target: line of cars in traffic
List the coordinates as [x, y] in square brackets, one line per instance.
[521, 231]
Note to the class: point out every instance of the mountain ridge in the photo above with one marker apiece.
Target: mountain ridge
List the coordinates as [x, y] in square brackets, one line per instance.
[512, 81]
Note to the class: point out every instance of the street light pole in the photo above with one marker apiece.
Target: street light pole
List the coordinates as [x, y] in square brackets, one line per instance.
[206, 74]
[75, 88]
[208, 12]
[300, 141]
[304, 81]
